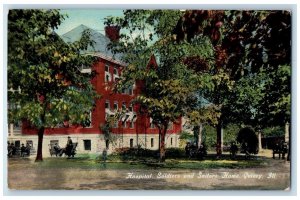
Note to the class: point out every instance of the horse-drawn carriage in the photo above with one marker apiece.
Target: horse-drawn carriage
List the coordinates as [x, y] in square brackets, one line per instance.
[69, 150]
[280, 149]
[23, 151]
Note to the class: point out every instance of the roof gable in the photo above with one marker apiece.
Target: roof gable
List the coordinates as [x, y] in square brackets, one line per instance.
[100, 45]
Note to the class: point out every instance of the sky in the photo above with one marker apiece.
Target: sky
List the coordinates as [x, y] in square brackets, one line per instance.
[92, 18]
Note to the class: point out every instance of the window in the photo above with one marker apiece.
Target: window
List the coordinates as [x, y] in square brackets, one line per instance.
[131, 124]
[106, 67]
[152, 125]
[107, 78]
[29, 142]
[115, 105]
[107, 104]
[152, 142]
[17, 125]
[171, 141]
[124, 106]
[115, 71]
[134, 118]
[17, 143]
[107, 144]
[130, 91]
[123, 91]
[131, 143]
[53, 142]
[124, 124]
[87, 144]
[88, 119]
[116, 74]
[130, 108]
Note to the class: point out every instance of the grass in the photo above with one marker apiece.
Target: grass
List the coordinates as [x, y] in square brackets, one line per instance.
[93, 161]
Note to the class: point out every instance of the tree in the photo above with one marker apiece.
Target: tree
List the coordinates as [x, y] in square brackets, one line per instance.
[48, 72]
[248, 139]
[247, 46]
[168, 85]
[106, 128]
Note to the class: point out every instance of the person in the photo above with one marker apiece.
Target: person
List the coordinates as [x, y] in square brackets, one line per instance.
[202, 151]
[9, 150]
[28, 148]
[284, 148]
[245, 149]
[69, 142]
[69, 146]
[104, 157]
[233, 150]
[23, 150]
[188, 149]
[13, 149]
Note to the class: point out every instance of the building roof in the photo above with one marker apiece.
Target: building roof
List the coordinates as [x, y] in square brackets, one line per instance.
[100, 46]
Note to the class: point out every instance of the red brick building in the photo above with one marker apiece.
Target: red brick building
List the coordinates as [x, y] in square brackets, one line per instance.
[132, 130]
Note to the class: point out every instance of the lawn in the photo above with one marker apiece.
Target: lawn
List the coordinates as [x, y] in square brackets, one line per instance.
[93, 161]
[88, 172]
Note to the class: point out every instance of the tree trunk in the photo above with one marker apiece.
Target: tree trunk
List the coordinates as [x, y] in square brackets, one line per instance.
[198, 135]
[287, 132]
[159, 136]
[259, 141]
[39, 155]
[288, 140]
[219, 139]
[162, 150]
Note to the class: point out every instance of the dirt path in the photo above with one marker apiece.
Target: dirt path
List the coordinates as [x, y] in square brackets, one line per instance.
[22, 175]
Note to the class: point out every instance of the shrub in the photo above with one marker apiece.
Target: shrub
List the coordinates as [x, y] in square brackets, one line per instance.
[175, 153]
[248, 139]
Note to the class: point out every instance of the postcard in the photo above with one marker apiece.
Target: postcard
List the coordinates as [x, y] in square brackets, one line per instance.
[149, 99]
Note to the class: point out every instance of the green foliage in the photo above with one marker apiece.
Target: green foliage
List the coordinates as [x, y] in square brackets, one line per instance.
[169, 85]
[175, 153]
[186, 136]
[248, 140]
[229, 134]
[106, 128]
[253, 50]
[224, 66]
[209, 137]
[131, 154]
[47, 71]
[276, 131]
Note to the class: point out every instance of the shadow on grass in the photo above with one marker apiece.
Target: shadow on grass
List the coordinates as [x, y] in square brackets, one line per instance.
[140, 160]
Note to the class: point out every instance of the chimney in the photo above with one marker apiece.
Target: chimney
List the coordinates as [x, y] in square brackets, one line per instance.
[113, 33]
